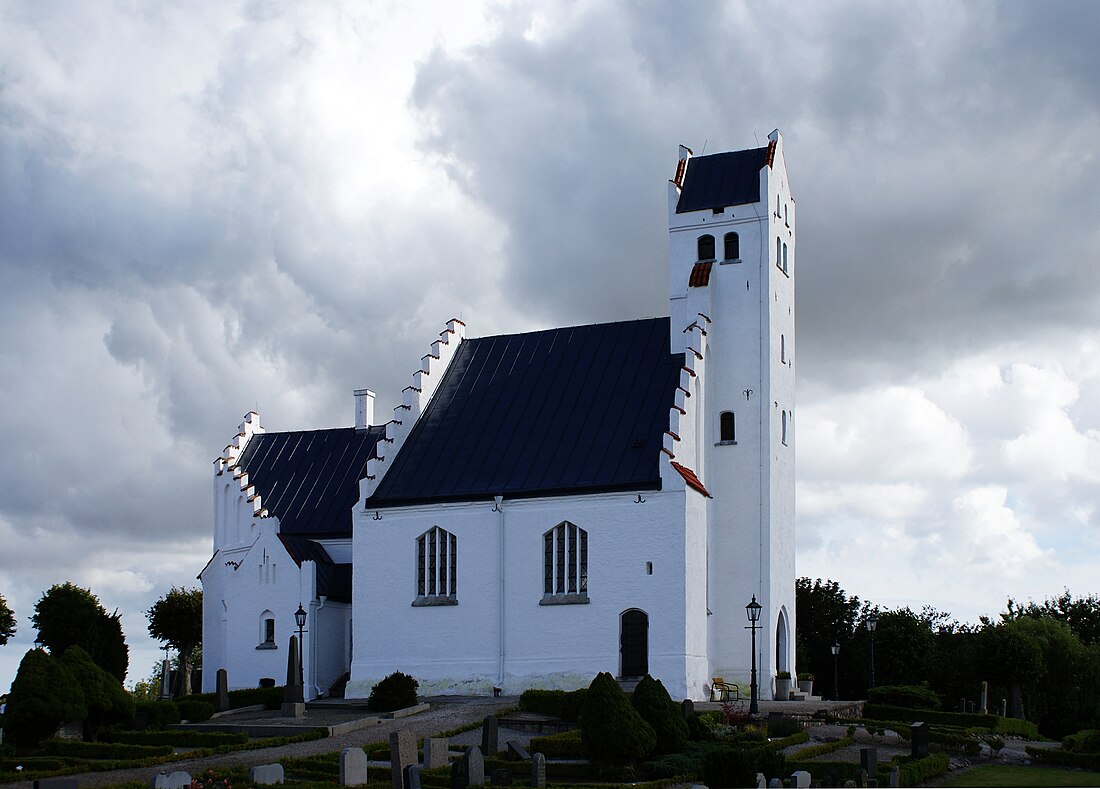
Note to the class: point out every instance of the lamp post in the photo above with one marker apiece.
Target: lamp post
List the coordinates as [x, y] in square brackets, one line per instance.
[872, 622]
[300, 620]
[836, 685]
[753, 611]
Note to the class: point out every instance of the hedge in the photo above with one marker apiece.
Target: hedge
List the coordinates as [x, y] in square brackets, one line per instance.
[797, 738]
[814, 751]
[564, 704]
[845, 771]
[177, 737]
[919, 771]
[1086, 741]
[991, 723]
[104, 750]
[1060, 758]
[564, 745]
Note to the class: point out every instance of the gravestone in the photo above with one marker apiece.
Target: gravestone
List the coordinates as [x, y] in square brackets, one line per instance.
[962, 705]
[983, 697]
[501, 776]
[1004, 708]
[64, 782]
[833, 779]
[353, 767]
[761, 781]
[436, 751]
[411, 776]
[538, 771]
[266, 774]
[895, 776]
[849, 784]
[221, 700]
[402, 754]
[458, 777]
[801, 779]
[919, 741]
[474, 764]
[293, 693]
[775, 783]
[687, 708]
[267, 682]
[176, 780]
[165, 682]
[489, 743]
[861, 777]
[517, 751]
[868, 760]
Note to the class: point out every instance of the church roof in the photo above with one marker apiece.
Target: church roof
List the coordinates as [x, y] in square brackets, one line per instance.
[722, 179]
[309, 479]
[573, 410]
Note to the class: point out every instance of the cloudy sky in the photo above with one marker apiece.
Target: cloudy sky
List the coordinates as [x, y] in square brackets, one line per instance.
[238, 205]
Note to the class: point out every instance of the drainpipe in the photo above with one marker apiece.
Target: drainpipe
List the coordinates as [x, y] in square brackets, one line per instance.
[500, 532]
[313, 644]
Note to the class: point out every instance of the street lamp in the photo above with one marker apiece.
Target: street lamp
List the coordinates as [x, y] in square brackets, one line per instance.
[300, 620]
[836, 686]
[753, 611]
[872, 622]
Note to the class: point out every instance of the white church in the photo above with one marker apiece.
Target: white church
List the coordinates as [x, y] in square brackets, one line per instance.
[544, 506]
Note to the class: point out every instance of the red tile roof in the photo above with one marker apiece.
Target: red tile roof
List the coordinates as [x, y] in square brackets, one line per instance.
[700, 275]
[691, 479]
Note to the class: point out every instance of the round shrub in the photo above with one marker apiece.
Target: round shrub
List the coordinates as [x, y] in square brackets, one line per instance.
[395, 692]
[612, 730]
[656, 707]
[43, 696]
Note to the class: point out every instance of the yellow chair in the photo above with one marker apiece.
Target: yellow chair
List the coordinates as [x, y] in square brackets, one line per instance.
[722, 689]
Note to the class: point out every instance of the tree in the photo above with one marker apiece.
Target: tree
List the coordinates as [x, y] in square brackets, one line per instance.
[7, 622]
[1082, 614]
[107, 701]
[657, 708]
[68, 615]
[176, 619]
[611, 729]
[43, 696]
[827, 615]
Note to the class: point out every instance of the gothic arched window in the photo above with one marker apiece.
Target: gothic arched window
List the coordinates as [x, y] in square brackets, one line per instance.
[732, 247]
[436, 568]
[706, 247]
[565, 565]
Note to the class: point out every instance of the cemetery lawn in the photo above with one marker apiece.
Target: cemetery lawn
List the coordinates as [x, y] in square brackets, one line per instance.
[1007, 775]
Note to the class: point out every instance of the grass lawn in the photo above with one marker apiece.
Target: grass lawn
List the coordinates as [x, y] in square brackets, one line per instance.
[1006, 775]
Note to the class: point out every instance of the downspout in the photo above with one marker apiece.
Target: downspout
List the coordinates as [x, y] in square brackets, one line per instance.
[313, 643]
[500, 533]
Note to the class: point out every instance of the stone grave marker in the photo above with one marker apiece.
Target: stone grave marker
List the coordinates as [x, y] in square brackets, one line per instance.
[833, 778]
[353, 767]
[266, 774]
[458, 776]
[919, 741]
[178, 779]
[293, 693]
[861, 777]
[538, 771]
[801, 779]
[165, 692]
[1004, 708]
[962, 704]
[436, 752]
[411, 776]
[402, 754]
[687, 708]
[983, 697]
[475, 766]
[895, 776]
[868, 760]
[501, 776]
[775, 783]
[761, 781]
[517, 751]
[221, 700]
[489, 744]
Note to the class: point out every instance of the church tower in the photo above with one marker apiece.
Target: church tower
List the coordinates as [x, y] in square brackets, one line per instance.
[732, 272]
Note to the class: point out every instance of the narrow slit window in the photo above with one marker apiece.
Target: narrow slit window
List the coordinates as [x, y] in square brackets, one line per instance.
[784, 435]
[778, 253]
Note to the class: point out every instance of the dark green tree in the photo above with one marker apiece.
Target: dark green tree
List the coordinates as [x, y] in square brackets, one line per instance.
[43, 696]
[904, 642]
[827, 615]
[612, 731]
[7, 622]
[176, 619]
[657, 708]
[1081, 614]
[68, 615]
[107, 701]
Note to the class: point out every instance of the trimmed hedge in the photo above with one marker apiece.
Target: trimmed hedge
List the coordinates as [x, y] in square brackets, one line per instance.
[177, 737]
[919, 771]
[157, 714]
[103, 750]
[915, 697]
[563, 745]
[395, 692]
[195, 711]
[845, 771]
[1058, 758]
[991, 723]
[814, 751]
[797, 738]
[686, 766]
[564, 704]
[1087, 741]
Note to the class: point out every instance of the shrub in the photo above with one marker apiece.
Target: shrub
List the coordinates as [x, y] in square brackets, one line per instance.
[656, 707]
[180, 737]
[157, 714]
[564, 745]
[612, 730]
[920, 771]
[738, 766]
[698, 731]
[547, 702]
[195, 711]
[103, 750]
[571, 705]
[107, 701]
[783, 726]
[43, 695]
[685, 766]
[1053, 756]
[395, 692]
[1087, 741]
[783, 675]
[910, 696]
[805, 676]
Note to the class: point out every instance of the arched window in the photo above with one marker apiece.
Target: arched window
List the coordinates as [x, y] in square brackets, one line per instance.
[706, 247]
[565, 565]
[778, 253]
[726, 427]
[267, 631]
[436, 568]
[732, 247]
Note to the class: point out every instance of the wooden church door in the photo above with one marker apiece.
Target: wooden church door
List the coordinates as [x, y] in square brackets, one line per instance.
[634, 643]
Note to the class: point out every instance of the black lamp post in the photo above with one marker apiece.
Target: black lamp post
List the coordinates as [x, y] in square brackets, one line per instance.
[836, 685]
[872, 622]
[300, 620]
[753, 611]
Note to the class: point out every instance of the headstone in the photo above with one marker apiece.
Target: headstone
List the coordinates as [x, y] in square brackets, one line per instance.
[517, 751]
[267, 682]
[266, 774]
[687, 708]
[983, 703]
[402, 754]
[970, 706]
[801, 779]
[761, 781]
[849, 783]
[775, 783]
[411, 776]
[501, 776]
[833, 778]
[436, 752]
[962, 704]
[919, 740]
[1004, 708]
[489, 744]
[292, 691]
[458, 776]
[165, 681]
[538, 771]
[895, 776]
[353, 767]
[56, 783]
[868, 760]
[221, 700]
[176, 780]
[861, 777]
[475, 766]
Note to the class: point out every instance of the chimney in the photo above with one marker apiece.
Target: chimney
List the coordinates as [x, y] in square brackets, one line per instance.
[364, 408]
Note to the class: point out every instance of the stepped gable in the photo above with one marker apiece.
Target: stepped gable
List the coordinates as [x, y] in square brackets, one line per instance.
[309, 479]
[557, 412]
[333, 580]
[723, 179]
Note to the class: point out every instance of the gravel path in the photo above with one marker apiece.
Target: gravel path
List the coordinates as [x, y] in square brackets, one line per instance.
[446, 713]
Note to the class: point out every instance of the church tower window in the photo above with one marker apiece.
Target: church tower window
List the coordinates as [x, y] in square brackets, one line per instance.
[732, 247]
[706, 247]
[565, 565]
[727, 433]
[436, 568]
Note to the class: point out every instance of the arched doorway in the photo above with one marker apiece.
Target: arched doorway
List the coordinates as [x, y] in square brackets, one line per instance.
[633, 643]
[782, 652]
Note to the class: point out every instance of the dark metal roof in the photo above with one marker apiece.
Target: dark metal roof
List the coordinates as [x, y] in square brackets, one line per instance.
[553, 412]
[722, 179]
[333, 580]
[309, 479]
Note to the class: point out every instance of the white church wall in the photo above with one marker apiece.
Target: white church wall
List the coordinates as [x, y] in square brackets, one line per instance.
[329, 650]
